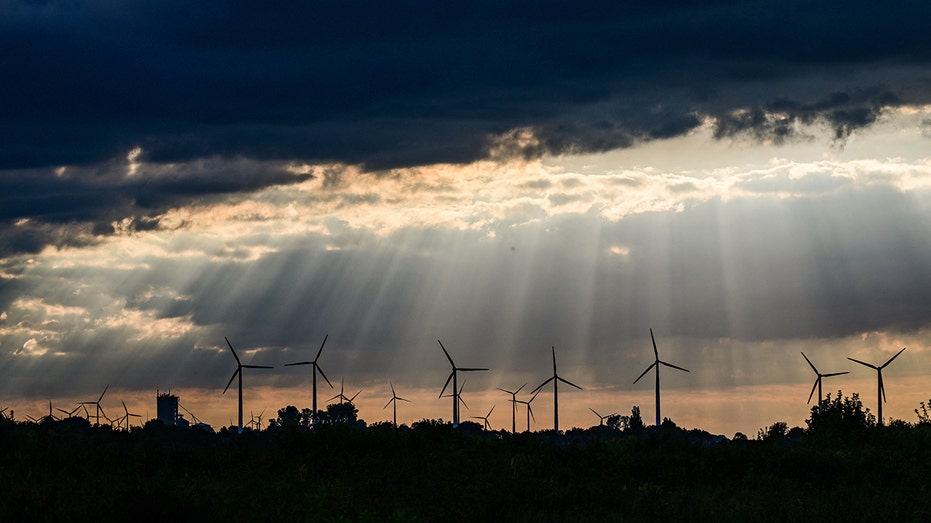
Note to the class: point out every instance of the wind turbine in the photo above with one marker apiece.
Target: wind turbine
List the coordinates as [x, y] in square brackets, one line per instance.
[99, 408]
[454, 376]
[126, 416]
[555, 378]
[50, 416]
[342, 396]
[513, 406]
[818, 381]
[394, 399]
[656, 364]
[529, 409]
[316, 369]
[71, 412]
[601, 419]
[259, 419]
[238, 371]
[879, 373]
[487, 425]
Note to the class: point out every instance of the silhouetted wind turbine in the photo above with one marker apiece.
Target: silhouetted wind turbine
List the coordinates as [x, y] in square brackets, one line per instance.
[513, 406]
[71, 412]
[259, 418]
[126, 416]
[529, 409]
[316, 369]
[555, 379]
[818, 381]
[99, 408]
[487, 425]
[50, 416]
[342, 396]
[601, 419]
[454, 376]
[879, 373]
[238, 371]
[656, 364]
[394, 399]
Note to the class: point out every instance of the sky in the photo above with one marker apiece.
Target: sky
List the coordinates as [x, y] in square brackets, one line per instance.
[748, 179]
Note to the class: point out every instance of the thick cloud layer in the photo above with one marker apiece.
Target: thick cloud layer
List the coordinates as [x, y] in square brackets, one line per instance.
[404, 83]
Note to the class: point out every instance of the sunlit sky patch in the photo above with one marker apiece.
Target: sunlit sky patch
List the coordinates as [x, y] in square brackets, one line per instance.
[740, 204]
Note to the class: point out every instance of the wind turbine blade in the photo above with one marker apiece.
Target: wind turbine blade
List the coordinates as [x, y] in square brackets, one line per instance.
[402, 399]
[453, 365]
[470, 369]
[655, 352]
[810, 364]
[864, 363]
[232, 349]
[533, 397]
[466, 405]
[834, 374]
[257, 367]
[567, 382]
[321, 347]
[554, 360]
[450, 378]
[673, 366]
[102, 393]
[892, 358]
[882, 388]
[646, 371]
[317, 367]
[813, 387]
[124, 407]
[519, 388]
[356, 395]
[490, 411]
[596, 413]
[393, 393]
[542, 384]
[386, 404]
[298, 363]
[530, 410]
[231, 380]
[509, 392]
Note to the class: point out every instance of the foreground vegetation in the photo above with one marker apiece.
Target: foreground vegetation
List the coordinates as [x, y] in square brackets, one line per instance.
[841, 467]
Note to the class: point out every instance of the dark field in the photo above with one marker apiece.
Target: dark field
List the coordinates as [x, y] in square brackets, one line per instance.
[66, 470]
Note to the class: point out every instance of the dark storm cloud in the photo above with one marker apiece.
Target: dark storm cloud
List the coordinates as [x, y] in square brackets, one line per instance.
[405, 83]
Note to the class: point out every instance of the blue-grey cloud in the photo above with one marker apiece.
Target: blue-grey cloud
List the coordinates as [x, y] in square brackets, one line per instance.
[402, 83]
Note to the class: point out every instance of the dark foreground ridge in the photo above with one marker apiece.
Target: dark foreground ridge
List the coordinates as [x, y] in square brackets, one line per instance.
[842, 467]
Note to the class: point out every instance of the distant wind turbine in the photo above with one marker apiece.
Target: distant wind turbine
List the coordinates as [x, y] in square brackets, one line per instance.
[529, 409]
[99, 408]
[315, 370]
[342, 396]
[238, 371]
[394, 399]
[454, 376]
[126, 416]
[656, 364]
[71, 412]
[601, 419]
[513, 406]
[555, 378]
[487, 425]
[818, 381]
[879, 374]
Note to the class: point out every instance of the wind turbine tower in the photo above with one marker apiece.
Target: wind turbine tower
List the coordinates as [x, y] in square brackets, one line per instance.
[513, 406]
[879, 376]
[453, 376]
[555, 378]
[818, 381]
[97, 403]
[316, 369]
[394, 399]
[238, 371]
[656, 364]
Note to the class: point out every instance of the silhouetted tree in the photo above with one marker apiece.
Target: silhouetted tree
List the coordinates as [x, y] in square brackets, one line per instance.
[924, 417]
[839, 419]
[340, 414]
